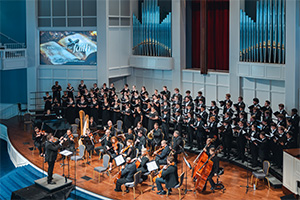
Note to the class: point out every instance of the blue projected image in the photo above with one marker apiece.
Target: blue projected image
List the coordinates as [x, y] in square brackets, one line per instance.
[68, 48]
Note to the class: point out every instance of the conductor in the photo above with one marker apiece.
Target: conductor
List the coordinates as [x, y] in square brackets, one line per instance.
[51, 147]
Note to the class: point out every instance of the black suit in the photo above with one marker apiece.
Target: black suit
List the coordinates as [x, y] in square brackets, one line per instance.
[227, 140]
[51, 150]
[161, 159]
[169, 176]
[200, 134]
[215, 170]
[165, 125]
[143, 166]
[126, 175]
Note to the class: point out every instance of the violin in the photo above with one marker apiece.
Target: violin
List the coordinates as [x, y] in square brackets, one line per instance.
[158, 150]
[125, 149]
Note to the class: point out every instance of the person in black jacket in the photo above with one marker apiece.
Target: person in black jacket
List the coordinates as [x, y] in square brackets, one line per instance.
[127, 174]
[227, 138]
[169, 176]
[51, 149]
[263, 147]
[200, 132]
[38, 137]
[177, 145]
[165, 119]
[161, 159]
[215, 169]
[140, 141]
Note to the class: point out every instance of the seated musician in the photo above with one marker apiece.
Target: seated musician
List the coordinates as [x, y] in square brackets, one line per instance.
[88, 141]
[129, 150]
[169, 176]
[177, 145]
[111, 128]
[164, 150]
[140, 127]
[208, 146]
[215, 169]
[157, 136]
[141, 162]
[127, 174]
[92, 124]
[129, 135]
[140, 141]
[39, 140]
[68, 143]
[113, 150]
[105, 143]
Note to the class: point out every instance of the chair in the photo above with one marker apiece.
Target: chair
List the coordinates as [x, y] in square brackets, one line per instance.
[74, 129]
[181, 177]
[21, 110]
[103, 168]
[119, 126]
[77, 121]
[81, 154]
[219, 185]
[27, 121]
[137, 177]
[262, 174]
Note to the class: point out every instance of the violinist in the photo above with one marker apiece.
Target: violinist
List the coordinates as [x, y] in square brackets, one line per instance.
[162, 153]
[215, 168]
[39, 140]
[129, 150]
[68, 141]
[105, 143]
[114, 150]
[89, 144]
[127, 174]
[111, 128]
[169, 177]
[140, 141]
[92, 124]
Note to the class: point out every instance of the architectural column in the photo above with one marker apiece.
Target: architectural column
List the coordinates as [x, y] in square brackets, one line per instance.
[292, 55]
[203, 36]
[102, 29]
[32, 48]
[234, 47]
[178, 41]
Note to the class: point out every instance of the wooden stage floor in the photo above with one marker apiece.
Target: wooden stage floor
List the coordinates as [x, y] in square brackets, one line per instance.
[232, 178]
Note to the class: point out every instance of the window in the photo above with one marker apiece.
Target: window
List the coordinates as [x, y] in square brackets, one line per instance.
[119, 13]
[67, 13]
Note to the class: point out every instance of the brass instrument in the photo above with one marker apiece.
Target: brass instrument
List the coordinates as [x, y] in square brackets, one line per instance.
[150, 135]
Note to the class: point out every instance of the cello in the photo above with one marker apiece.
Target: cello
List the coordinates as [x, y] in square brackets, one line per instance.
[204, 171]
[201, 158]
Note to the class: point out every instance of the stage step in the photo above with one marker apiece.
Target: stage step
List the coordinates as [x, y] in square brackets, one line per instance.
[274, 182]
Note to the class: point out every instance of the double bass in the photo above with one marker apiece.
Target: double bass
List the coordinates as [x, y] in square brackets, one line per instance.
[204, 171]
[201, 158]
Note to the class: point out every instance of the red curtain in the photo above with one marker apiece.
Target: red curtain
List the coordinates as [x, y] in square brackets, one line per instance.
[196, 34]
[217, 34]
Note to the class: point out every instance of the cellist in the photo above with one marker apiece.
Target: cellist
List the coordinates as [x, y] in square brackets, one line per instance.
[215, 168]
[168, 176]
[127, 174]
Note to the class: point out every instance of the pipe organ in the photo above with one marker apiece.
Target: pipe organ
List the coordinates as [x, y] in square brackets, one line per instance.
[263, 40]
[150, 36]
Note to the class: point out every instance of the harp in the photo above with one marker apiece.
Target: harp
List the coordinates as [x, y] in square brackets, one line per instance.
[84, 124]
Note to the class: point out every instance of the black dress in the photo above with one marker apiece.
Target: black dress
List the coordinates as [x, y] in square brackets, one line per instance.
[105, 114]
[94, 111]
[47, 102]
[127, 119]
[71, 112]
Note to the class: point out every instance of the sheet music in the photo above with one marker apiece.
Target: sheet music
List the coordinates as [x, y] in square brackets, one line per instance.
[119, 160]
[66, 153]
[151, 166]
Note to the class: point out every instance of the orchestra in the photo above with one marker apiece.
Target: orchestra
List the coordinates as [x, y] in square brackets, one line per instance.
[223, 123]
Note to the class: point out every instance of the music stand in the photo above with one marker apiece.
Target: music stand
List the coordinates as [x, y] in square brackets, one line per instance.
[87, 141]
[187, 165]
[66, 153]
[119, 160]
[152, 166]
[64, 146]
